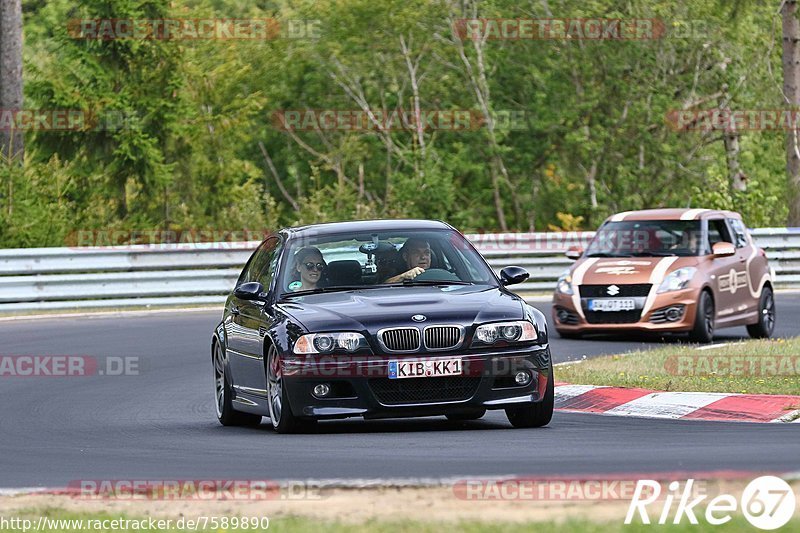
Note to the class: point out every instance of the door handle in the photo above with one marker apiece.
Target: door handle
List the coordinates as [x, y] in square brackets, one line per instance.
[235, 310]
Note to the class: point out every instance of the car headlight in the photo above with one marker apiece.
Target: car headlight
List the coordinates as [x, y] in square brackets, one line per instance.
[677, 280]
[328, 342]
[517, 331]
[564, 285]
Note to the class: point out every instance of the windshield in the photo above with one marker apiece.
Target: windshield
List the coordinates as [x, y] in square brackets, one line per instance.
[647, 238]
[391, 258]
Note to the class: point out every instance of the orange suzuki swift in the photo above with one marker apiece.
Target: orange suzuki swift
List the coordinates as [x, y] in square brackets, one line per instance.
[677, 270]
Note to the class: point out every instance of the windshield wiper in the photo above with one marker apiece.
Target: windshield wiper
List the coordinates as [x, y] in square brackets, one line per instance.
[338, 288]
[606, 254]
[435, 282]
[653, 254]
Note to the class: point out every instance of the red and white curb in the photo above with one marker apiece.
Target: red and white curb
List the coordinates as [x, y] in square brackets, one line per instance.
[644, 403]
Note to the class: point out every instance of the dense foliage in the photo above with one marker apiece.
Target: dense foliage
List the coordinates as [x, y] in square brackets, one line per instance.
[187, 137]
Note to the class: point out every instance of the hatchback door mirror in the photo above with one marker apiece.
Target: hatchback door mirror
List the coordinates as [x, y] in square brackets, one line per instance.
[574, 252]
[723, 249]
[252, 290]
[511, 275]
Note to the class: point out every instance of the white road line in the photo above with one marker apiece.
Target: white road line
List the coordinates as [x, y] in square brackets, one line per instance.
[791, 417]
[566, 392]
[712, 346]
[408, 482]
[113, 313]
[666, 404]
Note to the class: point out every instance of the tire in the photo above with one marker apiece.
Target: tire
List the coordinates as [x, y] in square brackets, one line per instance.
[537, 414]
[223, 395]
[766, 316]
[461, 417]
[280, 413]
[703, 330]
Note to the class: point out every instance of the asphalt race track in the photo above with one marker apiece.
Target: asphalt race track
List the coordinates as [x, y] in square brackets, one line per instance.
[160, 424]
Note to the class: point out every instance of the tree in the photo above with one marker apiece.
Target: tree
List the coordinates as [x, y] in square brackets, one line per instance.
[11, 142]
[791, 93]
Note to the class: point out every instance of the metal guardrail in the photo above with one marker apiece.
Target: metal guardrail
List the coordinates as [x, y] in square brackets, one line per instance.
[38, 279]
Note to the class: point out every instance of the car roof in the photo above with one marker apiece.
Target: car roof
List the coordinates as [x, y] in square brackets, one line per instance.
[673, 214]
[360, 226]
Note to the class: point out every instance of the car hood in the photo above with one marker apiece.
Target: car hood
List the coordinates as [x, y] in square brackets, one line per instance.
[610, 270]
[374, 309]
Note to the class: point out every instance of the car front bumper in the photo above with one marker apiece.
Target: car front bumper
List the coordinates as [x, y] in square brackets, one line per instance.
[360, 387]
[651, 320]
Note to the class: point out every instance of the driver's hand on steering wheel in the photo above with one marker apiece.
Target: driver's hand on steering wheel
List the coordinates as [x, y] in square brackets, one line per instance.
[409, 274]
[413, 273]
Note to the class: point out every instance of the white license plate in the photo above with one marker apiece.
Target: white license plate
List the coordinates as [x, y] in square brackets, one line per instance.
[430, 368]
[618, 304]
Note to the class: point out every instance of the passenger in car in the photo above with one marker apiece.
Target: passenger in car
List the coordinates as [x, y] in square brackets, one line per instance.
[416, 254]
[308, 267]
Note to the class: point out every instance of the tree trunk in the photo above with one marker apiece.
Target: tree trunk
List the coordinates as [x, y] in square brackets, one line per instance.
[11, 141]
[737, 179]
[791, 90]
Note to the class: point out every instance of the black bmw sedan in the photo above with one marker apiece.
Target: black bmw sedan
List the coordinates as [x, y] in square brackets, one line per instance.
[378, 319]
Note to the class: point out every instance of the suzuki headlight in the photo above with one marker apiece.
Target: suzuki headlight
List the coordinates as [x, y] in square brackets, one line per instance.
[677, 280]
[564, 285]
[349, 341]
[518, 331]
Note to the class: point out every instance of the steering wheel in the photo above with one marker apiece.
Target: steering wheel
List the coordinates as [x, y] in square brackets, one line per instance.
[437, 274]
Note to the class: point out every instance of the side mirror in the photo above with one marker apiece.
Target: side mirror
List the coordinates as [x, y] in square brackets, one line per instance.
[252, 290]
[574, 252]
[723, 249]
[511, 275]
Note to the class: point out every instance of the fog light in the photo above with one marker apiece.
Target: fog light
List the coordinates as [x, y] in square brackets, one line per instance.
[322, 390]
[522, 378]
[562, 315]
[673, 313]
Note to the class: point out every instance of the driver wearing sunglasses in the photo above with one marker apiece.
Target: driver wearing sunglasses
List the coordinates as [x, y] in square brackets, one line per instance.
[309, 264]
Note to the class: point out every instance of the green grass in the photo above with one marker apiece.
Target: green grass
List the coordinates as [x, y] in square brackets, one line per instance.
[293, 524]
[767, 367]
